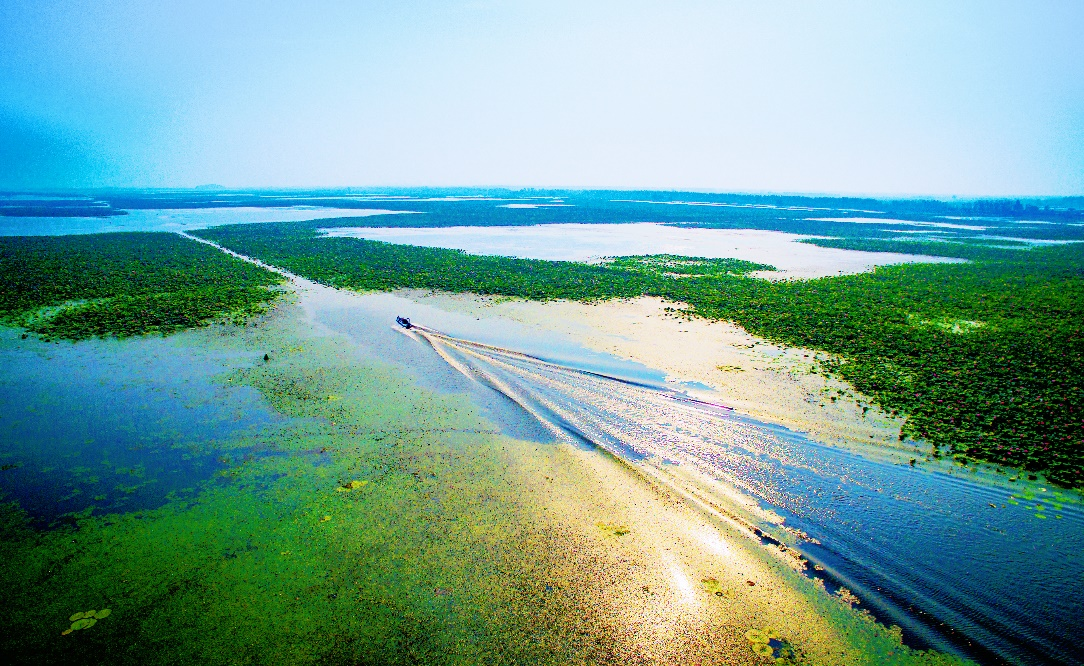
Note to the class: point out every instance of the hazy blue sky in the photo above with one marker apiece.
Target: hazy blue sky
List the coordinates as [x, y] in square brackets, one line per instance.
[903, 97]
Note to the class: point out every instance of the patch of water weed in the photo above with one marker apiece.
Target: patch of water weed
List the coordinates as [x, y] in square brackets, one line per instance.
[612, 529]
[714, 587]
[85, 620]
[124, 284]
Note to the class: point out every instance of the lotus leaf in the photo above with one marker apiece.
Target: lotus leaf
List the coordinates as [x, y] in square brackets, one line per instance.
[616, 530]
[76, 616]
[713, 586]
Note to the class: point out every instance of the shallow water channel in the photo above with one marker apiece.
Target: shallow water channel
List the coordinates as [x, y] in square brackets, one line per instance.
[979, 569]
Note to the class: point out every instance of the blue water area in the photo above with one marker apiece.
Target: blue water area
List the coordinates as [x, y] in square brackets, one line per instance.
[987, 570]
[116, 426]
[993, 571]
[166, 219]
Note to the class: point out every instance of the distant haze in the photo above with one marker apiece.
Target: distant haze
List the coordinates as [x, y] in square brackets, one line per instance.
[910, 97]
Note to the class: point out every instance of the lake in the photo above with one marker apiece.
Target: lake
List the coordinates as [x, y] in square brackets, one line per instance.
[589, 242]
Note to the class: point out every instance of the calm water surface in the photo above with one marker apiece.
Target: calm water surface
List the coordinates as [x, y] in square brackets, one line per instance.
[107, 426]
[586, 242]
[165, 219]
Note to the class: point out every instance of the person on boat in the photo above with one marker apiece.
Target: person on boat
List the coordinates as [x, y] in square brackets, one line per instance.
[402, 321]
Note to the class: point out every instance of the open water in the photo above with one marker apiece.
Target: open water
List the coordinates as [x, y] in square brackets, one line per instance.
[106, 426]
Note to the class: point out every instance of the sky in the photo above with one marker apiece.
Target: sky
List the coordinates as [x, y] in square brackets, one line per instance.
[980, 98]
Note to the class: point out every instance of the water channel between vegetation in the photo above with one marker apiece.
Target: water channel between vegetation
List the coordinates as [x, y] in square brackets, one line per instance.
[985, 570]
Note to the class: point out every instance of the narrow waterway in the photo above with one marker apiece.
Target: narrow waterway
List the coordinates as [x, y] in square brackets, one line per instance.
[986, 571]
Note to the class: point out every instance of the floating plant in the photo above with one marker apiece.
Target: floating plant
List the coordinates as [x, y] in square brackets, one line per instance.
[713, 586]
[614, 529]
[85, 620]
[124, 284]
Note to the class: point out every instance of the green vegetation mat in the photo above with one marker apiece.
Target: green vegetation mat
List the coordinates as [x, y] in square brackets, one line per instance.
[975, 249]
[985, 359]
[124, 284]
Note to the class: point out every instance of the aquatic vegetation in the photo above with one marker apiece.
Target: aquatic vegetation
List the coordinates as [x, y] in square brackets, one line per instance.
[976, 249]
[351, 485]
[372, 265]
[757, 636]
[768, 643]
[124, 284]
[713, 586]
[614, 530]
[85, 620]
[675, 266]
[1009, 391]
[84, 623]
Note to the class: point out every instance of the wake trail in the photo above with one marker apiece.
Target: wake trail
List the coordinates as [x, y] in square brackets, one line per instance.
[922, 550]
